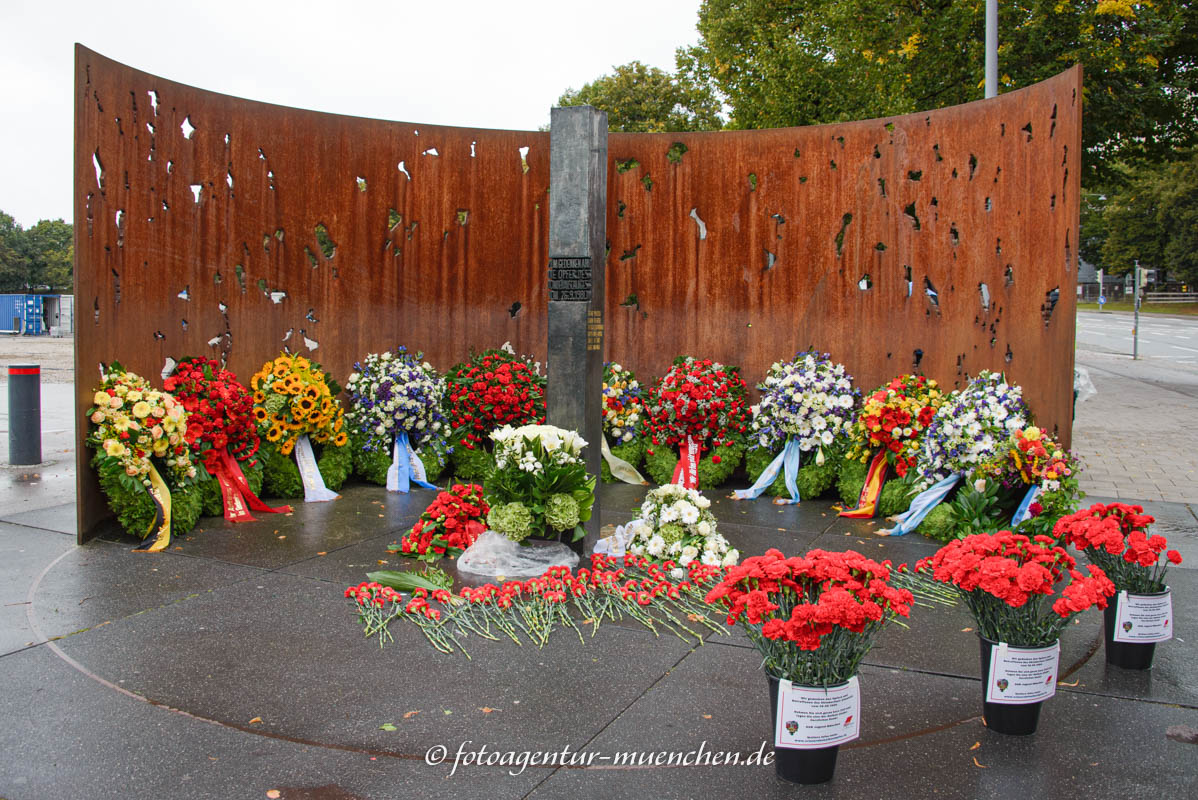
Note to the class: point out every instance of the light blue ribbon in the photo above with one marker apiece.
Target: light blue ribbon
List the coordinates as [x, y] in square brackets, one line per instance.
[401, 476]
[924, 502]
[1022, 512]
[788, 462]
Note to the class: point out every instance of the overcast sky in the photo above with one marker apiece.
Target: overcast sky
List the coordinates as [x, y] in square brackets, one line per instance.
[466, 62]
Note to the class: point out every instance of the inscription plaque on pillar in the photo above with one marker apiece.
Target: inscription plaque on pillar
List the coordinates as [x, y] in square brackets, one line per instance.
[577, 254]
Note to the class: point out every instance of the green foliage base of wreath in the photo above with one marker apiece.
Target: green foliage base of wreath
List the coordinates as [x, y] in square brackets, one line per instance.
[471, 466]
[852, 480]
[135, 510]
[812, 481]
[633, 452]
[372, 465]
[281, 476]
[895, 497]
[660, 464]
[940, 524]
[213, 503]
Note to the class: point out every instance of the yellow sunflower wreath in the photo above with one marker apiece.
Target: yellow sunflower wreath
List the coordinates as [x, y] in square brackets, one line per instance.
[294, 397]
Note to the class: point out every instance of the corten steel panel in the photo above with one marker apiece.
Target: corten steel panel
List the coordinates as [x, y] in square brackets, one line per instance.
[994, 186]
[161, 274]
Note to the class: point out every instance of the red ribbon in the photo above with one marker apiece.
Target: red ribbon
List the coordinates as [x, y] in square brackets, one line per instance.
[686, 473]
[235, 490]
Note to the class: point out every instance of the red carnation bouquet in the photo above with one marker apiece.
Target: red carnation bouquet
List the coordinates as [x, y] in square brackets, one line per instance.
[448, 526]
[699, 406]
[492, 389]
[1116, 538]
[222, 433]
[1007, 582]
[813, 618]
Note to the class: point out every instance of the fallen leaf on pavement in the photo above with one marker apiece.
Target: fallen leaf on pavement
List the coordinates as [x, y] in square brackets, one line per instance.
[976, 745]
[977, 764]
[274, 794]
[707, 716]
[487, 709]
[410, 714]
[966, 630]
[387, 726]
[255, 720]
[1075, 683]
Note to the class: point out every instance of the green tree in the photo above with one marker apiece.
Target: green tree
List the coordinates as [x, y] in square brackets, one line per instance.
[643, 99]
[14, 266]
[36, 258]
[1153, 218]
[804, 62]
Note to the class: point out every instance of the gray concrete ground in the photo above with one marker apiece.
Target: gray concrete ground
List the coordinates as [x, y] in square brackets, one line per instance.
[228, 666]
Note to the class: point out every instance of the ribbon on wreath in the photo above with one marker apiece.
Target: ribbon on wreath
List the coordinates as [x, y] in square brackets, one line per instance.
[788, 463]
[867, 502]
[159, 534]
[924, 502]
[235, 490]
[1022, 512]
[620, 469]
[406, 467]
[686, 473]
[314, 489]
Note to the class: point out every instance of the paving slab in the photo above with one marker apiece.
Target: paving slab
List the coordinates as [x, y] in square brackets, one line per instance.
[65, 735]
[24, 553]
[289, 651]
[60, 518]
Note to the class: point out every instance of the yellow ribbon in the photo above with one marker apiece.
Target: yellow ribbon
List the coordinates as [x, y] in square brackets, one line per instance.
[160, 528]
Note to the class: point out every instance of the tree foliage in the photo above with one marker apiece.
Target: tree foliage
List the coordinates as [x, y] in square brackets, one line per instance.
[39, 258]
[644, 99]
[1153, 218]
[803, 62]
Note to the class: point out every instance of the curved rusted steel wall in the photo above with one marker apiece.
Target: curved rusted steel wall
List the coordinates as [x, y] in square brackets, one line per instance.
[196, 221]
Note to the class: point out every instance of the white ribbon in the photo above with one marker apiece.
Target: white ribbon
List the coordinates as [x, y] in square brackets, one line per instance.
[314, 489]
[620, 469]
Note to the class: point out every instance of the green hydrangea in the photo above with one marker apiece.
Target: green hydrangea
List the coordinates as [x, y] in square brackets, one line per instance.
[513, 520]
[561, 512]
[672, 532]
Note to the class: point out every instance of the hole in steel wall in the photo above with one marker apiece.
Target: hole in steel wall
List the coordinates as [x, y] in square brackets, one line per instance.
[472, 146]
[953, 235]
[1009, 276]
[989, 204]
[327, 245]
[1008, 355]
[647, 182]
[523, 159]
[1052, 203]
[311, 315]
[185, 294]
[1051, 297]
[832, 163]
[917, 357]
[840, 139]
[279, 234]
[266, 242]
[1068, 253]
[993, 341]
[394, 219]
[311, 344]
[412, 229]
[909, 211]
[432, 151]
[404, 170]
[218, 278]
[239, 271]
[877, 154]
[262, 287]
[752, 181]
[195, 191]
[866, 283]
[797, 153]
[929, 289]
[694, 215]
[153, 101]
[620, 209]
[99, 170]
[120, 228]
[628, 254]
[907, 278]
[770, 260]
[227, 140]
[187, 128]
[159, 335]
[514, 309]
[261, 155]
[936, 151]
[882, 186]
[96, 307]
[361, 182]
[915, 174]
[626, 165]
[116, 287]
[675, 153]
[1028, 130]
[183, 322]
[222, 307]
[880, 247]
[984, 291]
[954, 172]
[287, 335]
[839, 238]
[973, 165]
[463, 216]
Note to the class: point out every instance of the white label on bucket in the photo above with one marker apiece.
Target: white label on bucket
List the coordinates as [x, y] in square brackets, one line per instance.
[1144, 618]
[1022, 675]
[810, 717]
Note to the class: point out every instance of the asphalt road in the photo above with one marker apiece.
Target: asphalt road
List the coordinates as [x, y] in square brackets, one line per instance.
[1171, 338]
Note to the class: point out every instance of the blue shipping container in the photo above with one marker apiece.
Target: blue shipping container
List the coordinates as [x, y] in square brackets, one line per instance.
[21, 313]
